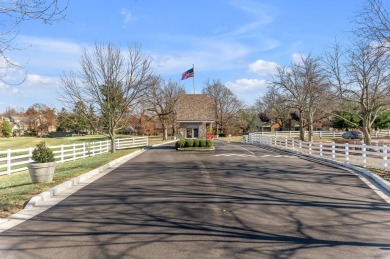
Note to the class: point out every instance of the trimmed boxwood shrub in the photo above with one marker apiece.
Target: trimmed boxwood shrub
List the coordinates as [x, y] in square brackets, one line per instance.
[202, 143]
[209, 143]
[196, 143]
[42, 154]
[189, 143]
[180, 143]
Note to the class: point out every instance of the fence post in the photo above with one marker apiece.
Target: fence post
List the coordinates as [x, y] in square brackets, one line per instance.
[364, 155]
[347, 153]
[333, 151]
[93, 148]
[286, 144]
[8, 161]
[385, 157]
[108, 149]
[293, 144]
[74, 151]
[320, 148]
[300, 146]
[310, 148]
[320, 134]
[30, 150]
[62, 153]
[84, 150]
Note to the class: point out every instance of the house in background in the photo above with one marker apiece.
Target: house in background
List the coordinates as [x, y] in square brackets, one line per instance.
[195, 115]
[19, 125]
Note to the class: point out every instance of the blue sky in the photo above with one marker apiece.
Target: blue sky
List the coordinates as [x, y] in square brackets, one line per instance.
[239, 42]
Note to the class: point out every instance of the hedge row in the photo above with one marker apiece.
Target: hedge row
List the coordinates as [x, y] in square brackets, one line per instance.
[183, 143]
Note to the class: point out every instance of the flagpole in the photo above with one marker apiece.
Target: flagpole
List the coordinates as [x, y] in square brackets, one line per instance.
[193, 78]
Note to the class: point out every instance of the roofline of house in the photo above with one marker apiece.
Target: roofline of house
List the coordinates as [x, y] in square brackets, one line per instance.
[196, 121]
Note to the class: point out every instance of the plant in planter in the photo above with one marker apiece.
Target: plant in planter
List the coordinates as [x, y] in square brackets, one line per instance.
[42, 169]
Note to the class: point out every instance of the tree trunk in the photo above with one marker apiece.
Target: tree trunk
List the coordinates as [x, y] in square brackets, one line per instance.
[366, 131]
[165, 131]
[301, 127]
[310, 126]
[112, 139]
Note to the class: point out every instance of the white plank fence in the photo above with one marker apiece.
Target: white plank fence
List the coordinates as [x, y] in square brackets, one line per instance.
[361, 155]
[15, 160]
[319, 134]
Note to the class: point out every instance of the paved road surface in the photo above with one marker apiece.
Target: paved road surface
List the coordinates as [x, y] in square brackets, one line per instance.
[235, 202]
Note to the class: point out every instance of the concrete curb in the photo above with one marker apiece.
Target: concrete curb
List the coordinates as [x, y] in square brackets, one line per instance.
[77, 180]
[366, 173]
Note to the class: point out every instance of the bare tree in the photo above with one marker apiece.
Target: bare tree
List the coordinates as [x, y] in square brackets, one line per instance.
[12, 111]
[112, 82]
[14, 13]
[161, 100]
[361, 78]
[373, 23]
[226, 102]
[306, 89]
[275, 106]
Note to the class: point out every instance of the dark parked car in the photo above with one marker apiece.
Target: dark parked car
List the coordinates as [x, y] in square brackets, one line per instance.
[353, 135]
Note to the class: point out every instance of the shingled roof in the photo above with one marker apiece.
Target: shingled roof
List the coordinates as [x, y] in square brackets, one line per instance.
[195, 107]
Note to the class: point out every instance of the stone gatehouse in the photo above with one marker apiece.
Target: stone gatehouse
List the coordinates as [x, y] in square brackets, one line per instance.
[195, 115]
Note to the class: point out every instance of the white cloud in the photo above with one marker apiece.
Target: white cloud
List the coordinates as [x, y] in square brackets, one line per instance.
[7, 89]
[47, 56]
[204, 53]
[128, 17]
[297, 58]
[247, 85]
[37, 80]
[248, 90]
[263, 68]
[254, 8]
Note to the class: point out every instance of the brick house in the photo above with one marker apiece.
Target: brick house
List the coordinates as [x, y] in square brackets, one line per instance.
[195, 115]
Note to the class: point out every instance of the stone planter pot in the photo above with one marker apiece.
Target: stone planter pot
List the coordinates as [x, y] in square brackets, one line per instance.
[41, 172]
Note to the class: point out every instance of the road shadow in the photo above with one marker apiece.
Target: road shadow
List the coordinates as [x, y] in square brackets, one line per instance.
[201, 207]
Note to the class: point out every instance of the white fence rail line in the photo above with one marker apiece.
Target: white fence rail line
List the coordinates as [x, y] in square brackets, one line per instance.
[318, 134]
[362, 155]
[15, 160]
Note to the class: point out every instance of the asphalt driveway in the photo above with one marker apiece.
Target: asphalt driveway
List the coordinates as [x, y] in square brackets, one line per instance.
[238, 201]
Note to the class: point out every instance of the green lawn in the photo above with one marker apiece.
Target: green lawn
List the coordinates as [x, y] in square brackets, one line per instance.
[25, 142]
[16, 189]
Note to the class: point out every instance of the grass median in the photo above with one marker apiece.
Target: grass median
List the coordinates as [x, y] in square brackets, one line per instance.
[16, 189]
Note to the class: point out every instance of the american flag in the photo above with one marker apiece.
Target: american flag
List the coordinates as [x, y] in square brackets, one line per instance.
[187, 74]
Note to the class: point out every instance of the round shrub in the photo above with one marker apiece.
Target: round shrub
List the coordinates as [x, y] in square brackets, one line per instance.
[209, 143]
[180, 143]
[42, 154]
[189, 143]
[196, 143]
[202, 143]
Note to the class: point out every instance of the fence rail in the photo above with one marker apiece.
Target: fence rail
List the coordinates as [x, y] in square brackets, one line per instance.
[361, 155]
[15, 160]
[319, 134]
